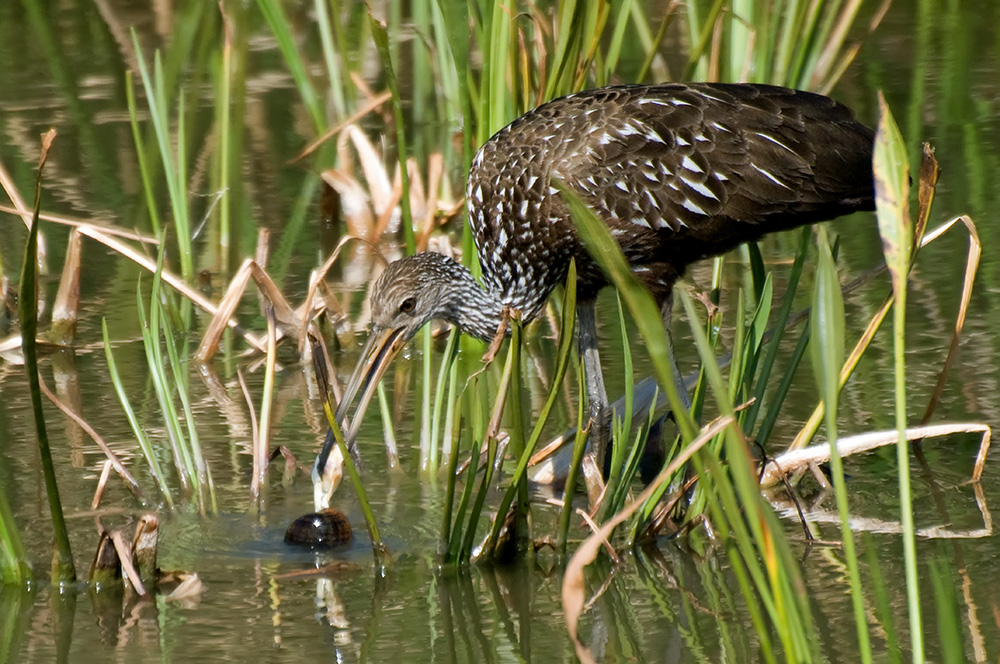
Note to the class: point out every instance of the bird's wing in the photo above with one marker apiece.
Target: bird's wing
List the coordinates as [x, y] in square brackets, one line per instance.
[677, 157]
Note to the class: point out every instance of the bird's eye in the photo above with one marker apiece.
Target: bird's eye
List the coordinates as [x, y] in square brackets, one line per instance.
[408, 305]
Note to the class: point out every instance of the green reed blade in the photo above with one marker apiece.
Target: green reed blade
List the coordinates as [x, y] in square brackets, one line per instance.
[883, 606]
[759, 536]
[381, 38]
[63, 571]
[896, 230]
[140, 151]
[518, 483]
[202, 471]
[379, 550]
[155, 90]
[440, 390]
[274, 13]
[140, 434]
[330, 57]
[646, 314]
[447, 525]
[579, 449]
[778, 398]
[780, 322]
[14, 567]
[828, 350]
[183, 462]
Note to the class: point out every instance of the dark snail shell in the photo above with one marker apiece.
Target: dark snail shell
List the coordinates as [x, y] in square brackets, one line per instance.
[320, 530]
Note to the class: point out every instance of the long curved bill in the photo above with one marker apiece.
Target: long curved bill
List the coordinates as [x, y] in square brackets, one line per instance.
[380, 350]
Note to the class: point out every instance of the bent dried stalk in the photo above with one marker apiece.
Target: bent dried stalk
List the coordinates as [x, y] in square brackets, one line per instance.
[799, 460]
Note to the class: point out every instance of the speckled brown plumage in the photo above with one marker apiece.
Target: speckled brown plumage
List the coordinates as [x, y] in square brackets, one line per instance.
[676, 172]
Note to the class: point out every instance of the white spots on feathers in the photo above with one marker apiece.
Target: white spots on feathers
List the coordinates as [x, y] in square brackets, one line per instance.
[768, 137]
[652, 200]
[682, 141]
[524, 208]
[688, 163]
[478, 194]
[653, 137]
[621, 185]
[706, 94]
[629, 130]
[769, 176]
[700, 188]
[641, 221]
[688, 205]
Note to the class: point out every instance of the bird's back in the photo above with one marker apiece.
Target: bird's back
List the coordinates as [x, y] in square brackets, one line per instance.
[677, 172]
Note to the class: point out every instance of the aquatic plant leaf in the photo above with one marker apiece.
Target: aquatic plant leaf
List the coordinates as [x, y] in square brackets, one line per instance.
[892, 188]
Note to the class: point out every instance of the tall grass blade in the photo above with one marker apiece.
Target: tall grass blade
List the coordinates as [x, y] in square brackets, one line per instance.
[780, 321]
[14, 567]
[145, 174]
[608, 255]
[827, 349]
[224, 128]
[140, 434]
[277, 20]
[518, 484]
[330, 56]
[883, 607]
[381, 38]
[154, 88]
[379, 550]
[203, 475]
[950, 632]
[63, 571]
[896, 228]
[734, 503]
[579, 448]
[441, 389]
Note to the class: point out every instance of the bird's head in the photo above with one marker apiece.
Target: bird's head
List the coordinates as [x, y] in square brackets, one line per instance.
[410, 293]
[413, 291]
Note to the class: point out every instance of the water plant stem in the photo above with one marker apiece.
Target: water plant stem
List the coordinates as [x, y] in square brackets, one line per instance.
[63, 571]
[895, 226]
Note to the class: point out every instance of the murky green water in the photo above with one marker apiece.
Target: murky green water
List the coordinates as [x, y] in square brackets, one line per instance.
[64, 66]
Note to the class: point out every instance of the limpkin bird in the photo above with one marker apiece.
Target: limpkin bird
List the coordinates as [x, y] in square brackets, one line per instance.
[677, 172]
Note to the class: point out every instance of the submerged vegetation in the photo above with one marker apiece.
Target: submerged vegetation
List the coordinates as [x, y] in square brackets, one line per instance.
[392, 102]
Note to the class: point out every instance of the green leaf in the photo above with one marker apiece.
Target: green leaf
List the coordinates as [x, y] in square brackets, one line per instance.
[892, 188]
[827, 324]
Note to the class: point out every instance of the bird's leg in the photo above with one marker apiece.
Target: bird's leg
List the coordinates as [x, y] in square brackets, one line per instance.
[498, 338]
[597, 395]
[666, 312]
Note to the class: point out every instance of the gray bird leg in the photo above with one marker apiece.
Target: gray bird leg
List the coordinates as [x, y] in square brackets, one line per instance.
[597, 395]
[666, 312]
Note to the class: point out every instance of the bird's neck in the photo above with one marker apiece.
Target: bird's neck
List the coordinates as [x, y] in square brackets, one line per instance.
[477, 311]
